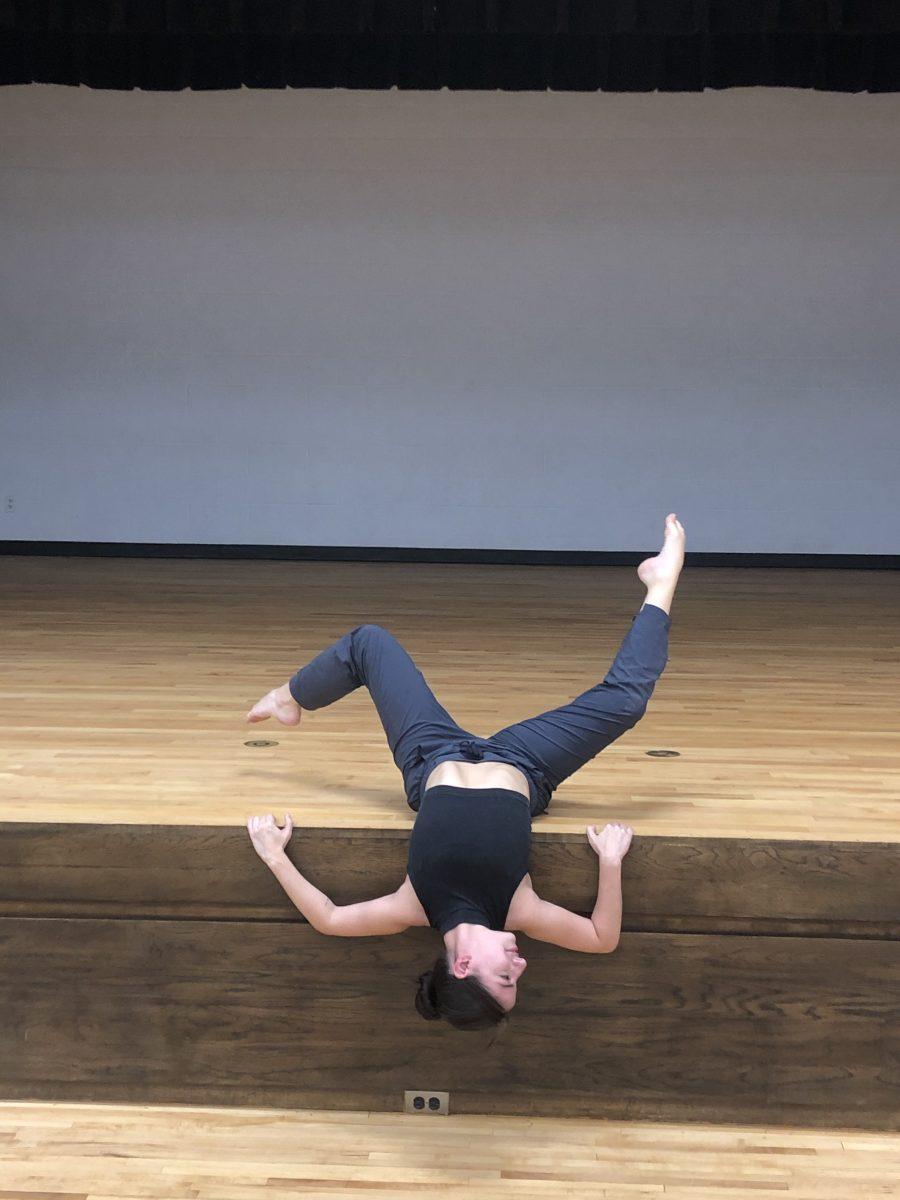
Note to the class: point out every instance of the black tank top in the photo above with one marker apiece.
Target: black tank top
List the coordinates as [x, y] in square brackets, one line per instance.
[468, 852]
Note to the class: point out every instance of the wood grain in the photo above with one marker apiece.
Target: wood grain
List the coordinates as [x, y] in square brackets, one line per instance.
[67, 1150]
[124, 684]
[705, 884]
[147, 955]
[671, 1026]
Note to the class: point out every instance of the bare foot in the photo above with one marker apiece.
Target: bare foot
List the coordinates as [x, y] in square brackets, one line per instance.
[665, 567]
[280, 704]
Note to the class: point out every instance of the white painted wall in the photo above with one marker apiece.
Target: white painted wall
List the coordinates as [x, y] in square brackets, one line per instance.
[452, 320]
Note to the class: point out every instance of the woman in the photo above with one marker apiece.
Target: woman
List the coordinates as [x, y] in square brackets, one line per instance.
[474, 798]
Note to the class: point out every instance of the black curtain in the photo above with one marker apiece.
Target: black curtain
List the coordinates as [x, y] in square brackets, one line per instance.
[566, 45]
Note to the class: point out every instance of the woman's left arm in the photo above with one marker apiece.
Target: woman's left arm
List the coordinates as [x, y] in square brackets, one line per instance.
[384, 915]
[269, 842]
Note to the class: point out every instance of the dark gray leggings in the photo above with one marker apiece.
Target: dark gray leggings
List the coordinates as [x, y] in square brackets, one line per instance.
[421, 733]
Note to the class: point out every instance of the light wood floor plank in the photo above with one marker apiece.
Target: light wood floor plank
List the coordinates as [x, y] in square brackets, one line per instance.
[109, 1152]
[124, 684]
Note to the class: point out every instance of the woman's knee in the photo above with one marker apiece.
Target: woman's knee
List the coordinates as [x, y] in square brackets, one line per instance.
[635, 710]
[364, 636]
[371, 632]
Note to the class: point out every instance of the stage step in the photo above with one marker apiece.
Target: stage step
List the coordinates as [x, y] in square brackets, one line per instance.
[755, 982]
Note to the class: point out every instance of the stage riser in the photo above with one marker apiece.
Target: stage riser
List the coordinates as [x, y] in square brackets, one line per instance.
[671, 1026]
[669, 884]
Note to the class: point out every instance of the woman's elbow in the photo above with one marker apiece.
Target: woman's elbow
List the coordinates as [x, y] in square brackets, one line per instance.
[325, 923]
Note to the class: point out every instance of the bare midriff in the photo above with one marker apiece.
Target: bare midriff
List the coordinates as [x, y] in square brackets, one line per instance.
[479, 775]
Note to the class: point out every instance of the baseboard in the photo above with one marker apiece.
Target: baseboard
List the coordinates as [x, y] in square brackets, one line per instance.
[432, 554]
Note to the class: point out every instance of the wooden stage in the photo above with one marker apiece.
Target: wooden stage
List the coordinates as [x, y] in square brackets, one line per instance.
[104, 1152]
[125, 684]
[149, 957]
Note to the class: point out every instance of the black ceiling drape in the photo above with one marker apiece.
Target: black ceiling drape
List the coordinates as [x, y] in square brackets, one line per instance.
[566, 45]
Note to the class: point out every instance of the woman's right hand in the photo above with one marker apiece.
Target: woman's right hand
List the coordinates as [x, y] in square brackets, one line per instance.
[269, 840]
[612, 842]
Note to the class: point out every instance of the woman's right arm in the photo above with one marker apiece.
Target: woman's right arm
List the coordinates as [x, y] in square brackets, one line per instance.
[387, 914]
[599, 933]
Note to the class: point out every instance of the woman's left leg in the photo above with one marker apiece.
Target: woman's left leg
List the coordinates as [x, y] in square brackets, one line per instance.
[415, 723]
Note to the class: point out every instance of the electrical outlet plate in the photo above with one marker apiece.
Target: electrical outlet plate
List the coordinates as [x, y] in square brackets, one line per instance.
[427, 1101]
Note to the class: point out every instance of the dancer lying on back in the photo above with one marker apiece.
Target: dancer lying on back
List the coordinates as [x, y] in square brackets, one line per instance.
[475, 798]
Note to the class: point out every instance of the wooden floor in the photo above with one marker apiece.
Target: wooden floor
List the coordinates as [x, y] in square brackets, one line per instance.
[125, 682]
[100, 1152]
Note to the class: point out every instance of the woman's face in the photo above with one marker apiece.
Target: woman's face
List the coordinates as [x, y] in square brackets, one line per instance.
[496, 963]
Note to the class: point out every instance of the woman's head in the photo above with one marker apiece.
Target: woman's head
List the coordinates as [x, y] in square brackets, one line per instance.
[474, 985]
[464, 1003]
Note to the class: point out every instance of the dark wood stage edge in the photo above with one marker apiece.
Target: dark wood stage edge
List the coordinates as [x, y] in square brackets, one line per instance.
[438, 554]
[756, 982]
[199, 872]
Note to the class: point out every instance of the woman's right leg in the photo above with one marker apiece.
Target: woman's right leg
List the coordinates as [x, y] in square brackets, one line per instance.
[563, 739]
[560, 741]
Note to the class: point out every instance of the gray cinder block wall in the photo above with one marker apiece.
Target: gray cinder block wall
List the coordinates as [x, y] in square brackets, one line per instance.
[458, 320]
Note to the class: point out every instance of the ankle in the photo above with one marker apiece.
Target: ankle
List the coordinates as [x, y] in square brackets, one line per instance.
[660, 595]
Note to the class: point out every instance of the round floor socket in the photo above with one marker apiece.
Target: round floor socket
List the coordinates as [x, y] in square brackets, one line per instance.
[260, 742]
[664, 753]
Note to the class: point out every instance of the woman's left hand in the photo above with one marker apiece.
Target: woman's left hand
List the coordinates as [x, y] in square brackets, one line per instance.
[269, 840]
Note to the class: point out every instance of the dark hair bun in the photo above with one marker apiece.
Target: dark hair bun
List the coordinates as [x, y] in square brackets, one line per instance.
[463, 1003]
[426, 1004]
